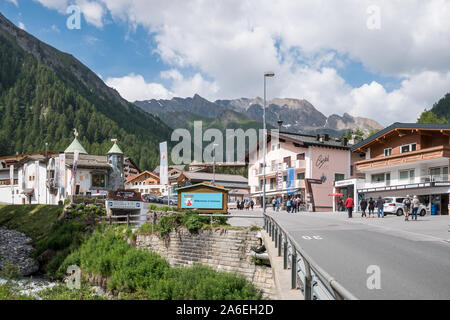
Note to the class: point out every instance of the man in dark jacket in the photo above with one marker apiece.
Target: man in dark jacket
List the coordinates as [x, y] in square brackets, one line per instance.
[363, 205]
[380, 207]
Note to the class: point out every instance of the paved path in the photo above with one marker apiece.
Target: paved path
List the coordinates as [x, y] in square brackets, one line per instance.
[413, 257]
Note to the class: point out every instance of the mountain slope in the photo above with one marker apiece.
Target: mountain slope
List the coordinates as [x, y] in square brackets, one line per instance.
[45, 93]
[297, 115]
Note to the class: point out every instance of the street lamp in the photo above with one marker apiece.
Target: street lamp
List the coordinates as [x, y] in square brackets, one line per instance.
[266, 75]
[214, 164]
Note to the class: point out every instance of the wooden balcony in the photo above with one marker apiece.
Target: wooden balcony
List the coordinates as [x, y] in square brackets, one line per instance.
[404, 158]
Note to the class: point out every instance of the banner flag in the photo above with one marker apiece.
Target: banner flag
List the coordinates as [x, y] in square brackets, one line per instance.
[163, 164]
[290, 180]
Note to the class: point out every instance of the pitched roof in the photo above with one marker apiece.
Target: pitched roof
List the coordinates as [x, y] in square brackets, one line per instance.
[205, 176]
[404, 126]
[115, 149]
[140, 175]
[88, 161]
[179, 167]
[74, 146]
[202, 184]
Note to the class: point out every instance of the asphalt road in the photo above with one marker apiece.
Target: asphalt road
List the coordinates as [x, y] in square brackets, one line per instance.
[413, 257]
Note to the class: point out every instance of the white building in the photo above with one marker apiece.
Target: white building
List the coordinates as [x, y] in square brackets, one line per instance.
[48, 178]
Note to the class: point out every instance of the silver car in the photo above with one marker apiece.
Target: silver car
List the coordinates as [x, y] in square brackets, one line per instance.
[394, 205]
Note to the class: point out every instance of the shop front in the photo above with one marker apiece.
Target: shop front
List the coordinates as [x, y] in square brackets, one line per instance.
[345, 188]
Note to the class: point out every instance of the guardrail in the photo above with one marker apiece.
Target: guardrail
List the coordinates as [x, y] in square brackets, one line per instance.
[315, 283]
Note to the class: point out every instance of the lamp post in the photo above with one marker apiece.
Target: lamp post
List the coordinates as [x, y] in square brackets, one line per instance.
[266, 75]
[214, 164]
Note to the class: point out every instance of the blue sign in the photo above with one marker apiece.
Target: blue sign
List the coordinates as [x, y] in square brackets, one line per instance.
[201, 201]
[290, 180]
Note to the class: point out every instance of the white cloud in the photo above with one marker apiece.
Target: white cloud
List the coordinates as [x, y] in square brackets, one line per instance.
[229, 44]
[14, 2]
[133, 87]
[22, 26]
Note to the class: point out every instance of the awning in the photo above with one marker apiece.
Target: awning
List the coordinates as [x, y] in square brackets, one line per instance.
[336, 195]
[28, 192]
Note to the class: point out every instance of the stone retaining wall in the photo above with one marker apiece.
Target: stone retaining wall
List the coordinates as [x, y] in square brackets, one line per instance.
[222, 249]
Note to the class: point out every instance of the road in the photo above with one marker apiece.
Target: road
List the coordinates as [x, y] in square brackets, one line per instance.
[413, 257]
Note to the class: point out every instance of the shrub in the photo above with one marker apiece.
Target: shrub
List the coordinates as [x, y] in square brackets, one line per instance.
[10, 272]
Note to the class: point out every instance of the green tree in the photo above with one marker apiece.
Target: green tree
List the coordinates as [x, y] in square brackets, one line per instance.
[430, 117]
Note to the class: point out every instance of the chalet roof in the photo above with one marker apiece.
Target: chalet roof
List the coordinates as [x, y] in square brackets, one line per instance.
[141, 174]
[179, 167]
[75, 146]
[205, 176]
[310, 140]
[87, 161]
[399, 126]
[204, 185]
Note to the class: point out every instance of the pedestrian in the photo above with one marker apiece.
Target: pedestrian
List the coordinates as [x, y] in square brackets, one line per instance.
[415, 207]
[274, 204]
[296, 205]
[380, 207]
[407, 207]
[340, 204]
[371, 207]
[238, 204]
[288, 205]
[363, 205]
[252, 203]
[278, 204]
[349, 205]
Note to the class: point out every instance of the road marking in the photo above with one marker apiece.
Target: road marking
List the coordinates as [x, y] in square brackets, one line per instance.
[312, 237]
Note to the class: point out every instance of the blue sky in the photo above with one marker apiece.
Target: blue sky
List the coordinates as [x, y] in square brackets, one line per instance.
[329, 56]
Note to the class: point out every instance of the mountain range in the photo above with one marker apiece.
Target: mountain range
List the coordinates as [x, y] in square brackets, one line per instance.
[297, 115]
[45, 94]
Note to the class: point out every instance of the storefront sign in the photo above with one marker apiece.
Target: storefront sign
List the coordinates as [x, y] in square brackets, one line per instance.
[322, 160]
[124, 205]
[201, 200]
[127, 195]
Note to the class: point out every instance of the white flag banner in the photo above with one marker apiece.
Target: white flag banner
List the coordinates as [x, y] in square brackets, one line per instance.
[163, 164]
[62, 172]
[11, 175]
[74, 171]
[36, 181]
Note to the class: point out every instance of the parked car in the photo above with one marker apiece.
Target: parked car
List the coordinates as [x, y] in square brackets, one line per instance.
[394, 205]
[173, 200]
[149, 197]
[159, 199]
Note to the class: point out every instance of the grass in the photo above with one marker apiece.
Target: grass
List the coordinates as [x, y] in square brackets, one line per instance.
[35, 221]
[40, 223]
[8, 292]
[137, 274]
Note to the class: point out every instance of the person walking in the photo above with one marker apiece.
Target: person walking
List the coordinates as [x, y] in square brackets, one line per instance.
[252, 203]
[278, 204]
[349, 205]
[380, 207]
[363, 205]
[288, 205]
[340, 204]
[407, 207]
[415, 207]
[371, 208]
[274, 204]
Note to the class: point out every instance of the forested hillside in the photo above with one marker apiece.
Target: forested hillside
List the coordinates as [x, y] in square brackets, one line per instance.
[41, 101]
[440, 113]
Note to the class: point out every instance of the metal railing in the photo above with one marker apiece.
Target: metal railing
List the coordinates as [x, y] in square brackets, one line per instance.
[306, 275]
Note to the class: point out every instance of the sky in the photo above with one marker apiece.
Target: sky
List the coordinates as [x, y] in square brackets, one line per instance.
[386, 60]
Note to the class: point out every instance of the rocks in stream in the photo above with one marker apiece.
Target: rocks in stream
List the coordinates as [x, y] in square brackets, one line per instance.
[15, 249]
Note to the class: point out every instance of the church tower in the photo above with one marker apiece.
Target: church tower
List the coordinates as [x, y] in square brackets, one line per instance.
[115, 159]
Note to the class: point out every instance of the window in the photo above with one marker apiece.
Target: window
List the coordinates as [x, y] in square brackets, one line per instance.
[99, 180]
[301, 176]
[408, 147]
[301, 156]
[287, 160]
[377, 178]
[407, 175]
[388, 152]
[339, 176]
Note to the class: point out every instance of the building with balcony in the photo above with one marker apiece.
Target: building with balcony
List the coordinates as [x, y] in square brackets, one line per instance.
[47, 178]
[407, 158]
[319, 157]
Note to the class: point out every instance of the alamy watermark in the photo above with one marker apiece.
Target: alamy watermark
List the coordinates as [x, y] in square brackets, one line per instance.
[74, 20]
[374, 280]
[237, 145]
[374, 20]
[73, 280]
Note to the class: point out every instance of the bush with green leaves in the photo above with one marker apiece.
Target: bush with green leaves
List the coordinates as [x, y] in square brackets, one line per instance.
[138, 274]
[10, 272]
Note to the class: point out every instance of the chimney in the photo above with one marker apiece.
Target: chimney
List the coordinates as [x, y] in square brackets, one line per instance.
[326, 137]
[280, 124]
[345, 142]
[318, 137]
